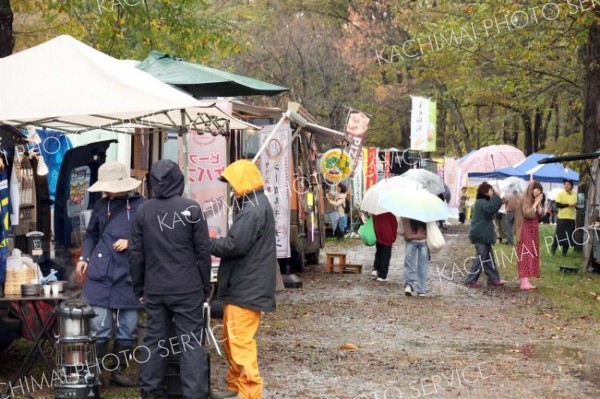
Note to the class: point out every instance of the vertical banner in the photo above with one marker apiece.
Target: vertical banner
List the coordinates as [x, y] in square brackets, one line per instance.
[356, 127]
[370, 167]
[357, 185]
[387, 166]
[423, 125]
[206, 160]
[275, 168]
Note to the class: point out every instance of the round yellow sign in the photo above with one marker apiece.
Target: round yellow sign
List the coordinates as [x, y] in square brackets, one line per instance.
[336, 166]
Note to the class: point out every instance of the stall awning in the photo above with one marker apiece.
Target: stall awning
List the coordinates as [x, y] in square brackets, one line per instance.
[202, 81]
[67, 85]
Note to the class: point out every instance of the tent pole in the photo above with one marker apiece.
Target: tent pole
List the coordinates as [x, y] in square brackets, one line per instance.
[268, 138]
[183, 134]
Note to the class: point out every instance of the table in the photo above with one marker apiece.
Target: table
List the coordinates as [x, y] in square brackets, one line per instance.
[43, 336]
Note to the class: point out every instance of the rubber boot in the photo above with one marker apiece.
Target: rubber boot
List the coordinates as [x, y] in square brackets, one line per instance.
[156, 394]
[117, 377]
[101, 351]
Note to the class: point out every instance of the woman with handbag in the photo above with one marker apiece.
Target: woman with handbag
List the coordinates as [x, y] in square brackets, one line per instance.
[108, 287]
[529, 212]
[416, 257]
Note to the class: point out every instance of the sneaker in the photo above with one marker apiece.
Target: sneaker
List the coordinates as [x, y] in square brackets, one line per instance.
[423, 294]
[473, 285]
[383, 280]
[408, 291]
[495, 283]
[374, 273]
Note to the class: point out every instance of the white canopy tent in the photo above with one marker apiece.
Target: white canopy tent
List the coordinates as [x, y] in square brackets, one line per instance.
[67, 85]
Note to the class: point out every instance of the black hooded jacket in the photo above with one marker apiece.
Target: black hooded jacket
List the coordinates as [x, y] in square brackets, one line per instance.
[169, 248]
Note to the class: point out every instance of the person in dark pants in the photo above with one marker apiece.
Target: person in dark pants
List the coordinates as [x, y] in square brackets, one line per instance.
[169, 258]
[482, 235]
[566, 201]
[462, 207]
[386, 231]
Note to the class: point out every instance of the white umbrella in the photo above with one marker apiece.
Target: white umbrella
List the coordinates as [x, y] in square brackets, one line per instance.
[417, 204]
[429, 180]
[370, 202]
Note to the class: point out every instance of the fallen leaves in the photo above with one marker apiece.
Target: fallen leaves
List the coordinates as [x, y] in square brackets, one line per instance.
[349, 346]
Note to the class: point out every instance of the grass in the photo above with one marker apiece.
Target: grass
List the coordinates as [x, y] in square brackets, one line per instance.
[575, 294]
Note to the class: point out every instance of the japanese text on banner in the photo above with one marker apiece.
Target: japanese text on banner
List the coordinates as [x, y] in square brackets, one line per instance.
[275, 168]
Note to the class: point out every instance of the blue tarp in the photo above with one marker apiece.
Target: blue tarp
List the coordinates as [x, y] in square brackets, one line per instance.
[553, 173]
[545, 173]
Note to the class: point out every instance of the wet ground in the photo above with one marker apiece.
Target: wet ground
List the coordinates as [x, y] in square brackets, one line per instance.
[458, 343]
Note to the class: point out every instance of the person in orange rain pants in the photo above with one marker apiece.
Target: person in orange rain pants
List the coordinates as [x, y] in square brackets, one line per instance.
[246, 278]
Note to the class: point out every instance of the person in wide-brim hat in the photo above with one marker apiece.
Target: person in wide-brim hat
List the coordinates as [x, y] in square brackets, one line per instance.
[113, 177]
[104, 268]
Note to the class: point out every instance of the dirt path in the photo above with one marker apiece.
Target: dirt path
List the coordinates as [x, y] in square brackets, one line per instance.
[489, 343]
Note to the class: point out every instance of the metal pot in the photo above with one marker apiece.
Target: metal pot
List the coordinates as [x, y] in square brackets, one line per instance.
[74, 318]
[31, 289]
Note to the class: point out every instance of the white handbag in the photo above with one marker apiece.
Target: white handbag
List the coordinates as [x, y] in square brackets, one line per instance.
[435, 238]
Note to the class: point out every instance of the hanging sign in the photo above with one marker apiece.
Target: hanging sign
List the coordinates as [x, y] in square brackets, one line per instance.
[356, 128]
[423, 125]
[336, 166]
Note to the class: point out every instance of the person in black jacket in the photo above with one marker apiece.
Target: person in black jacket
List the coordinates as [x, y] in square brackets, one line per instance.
[169, 258]
[246, 277]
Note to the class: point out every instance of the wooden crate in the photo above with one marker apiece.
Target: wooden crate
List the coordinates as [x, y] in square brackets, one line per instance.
[331, 262]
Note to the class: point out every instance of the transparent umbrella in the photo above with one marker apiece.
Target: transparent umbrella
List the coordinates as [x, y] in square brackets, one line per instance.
[511, 185]
[370, 202]
[417, 204]
[429, 180]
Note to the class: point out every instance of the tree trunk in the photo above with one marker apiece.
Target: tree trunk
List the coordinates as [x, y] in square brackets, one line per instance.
[528, 131]
[556, 121]
[537, 127]
[7, 39]
[591, 112]
[516, 128]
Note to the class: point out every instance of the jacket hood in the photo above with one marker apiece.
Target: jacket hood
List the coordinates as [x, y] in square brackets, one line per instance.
[166, 179]
[244, 177]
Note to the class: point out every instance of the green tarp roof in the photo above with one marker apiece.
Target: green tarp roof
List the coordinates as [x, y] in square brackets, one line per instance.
[203, 81]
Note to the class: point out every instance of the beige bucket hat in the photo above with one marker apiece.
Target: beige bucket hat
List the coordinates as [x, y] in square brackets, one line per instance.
[113, 177]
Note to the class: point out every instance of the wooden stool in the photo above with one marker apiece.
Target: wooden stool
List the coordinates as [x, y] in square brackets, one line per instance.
[353, 269]
[331, 262]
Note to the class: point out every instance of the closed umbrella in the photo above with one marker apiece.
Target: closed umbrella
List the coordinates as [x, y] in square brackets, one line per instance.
[429, 180]
[370, 202]
[414, 204]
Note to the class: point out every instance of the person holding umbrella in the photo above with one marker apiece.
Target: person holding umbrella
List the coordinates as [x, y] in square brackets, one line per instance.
[482, 235]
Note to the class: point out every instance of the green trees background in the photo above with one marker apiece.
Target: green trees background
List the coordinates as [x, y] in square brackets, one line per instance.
[519, 72]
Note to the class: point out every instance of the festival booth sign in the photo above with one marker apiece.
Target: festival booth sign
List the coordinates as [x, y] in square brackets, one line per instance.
[275, 167]
[423, 134]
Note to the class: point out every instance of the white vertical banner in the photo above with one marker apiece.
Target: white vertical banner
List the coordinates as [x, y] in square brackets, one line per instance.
[357, 183]
[423, 125]
[275, 168]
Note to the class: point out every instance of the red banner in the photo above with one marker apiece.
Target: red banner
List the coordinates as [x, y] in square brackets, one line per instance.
[371, 167]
